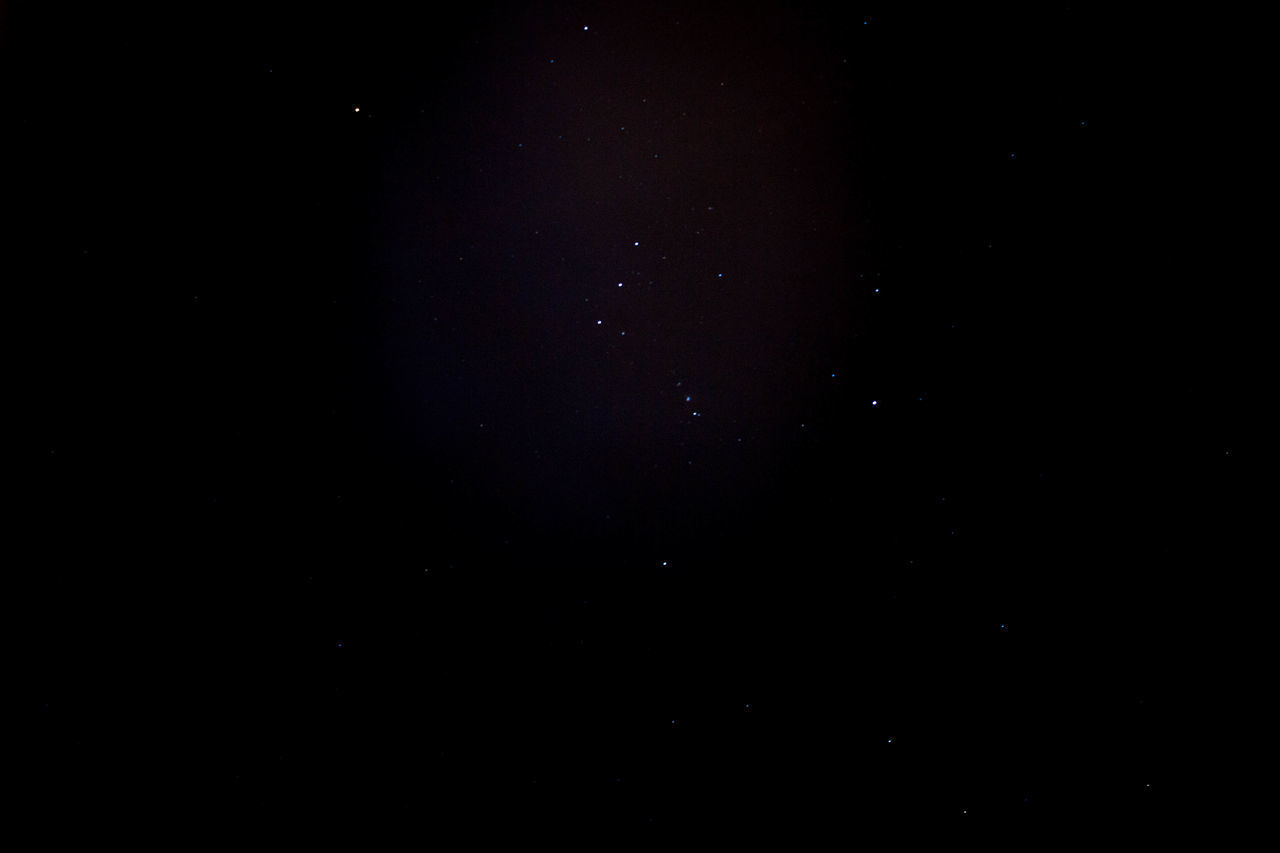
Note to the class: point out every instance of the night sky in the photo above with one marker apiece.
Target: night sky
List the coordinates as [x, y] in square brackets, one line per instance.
[720, 421]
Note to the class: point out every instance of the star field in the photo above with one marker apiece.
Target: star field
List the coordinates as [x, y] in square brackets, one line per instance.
[636, 420]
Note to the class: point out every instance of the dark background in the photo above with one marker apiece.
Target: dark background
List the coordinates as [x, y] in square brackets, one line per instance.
[340, 507]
